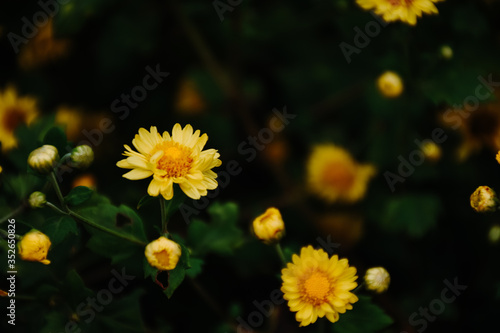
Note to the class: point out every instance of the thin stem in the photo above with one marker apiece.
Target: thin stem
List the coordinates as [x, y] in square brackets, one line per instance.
[54, 207]
[100, 227]
[280, 253]
[164, 212]
[58, 190]
[6, 234]
[13, 213]
[361, 285]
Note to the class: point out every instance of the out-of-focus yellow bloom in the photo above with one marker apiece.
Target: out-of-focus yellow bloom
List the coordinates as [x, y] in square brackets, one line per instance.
[277, 151]
[43, 159]
[189, 100]
[377, 279]
[1, 169]
[345, 227]
[432, 151]
[163, 253]
[34, 246]
[484, 199]
[316, 286]
[43, 48]
[72, 119]
[390, 84]
[269, 227]
[172, 159]
[82, 156]
[498, 157]
[400, 10]
[333, 175]
[37, 200]
[494, 233]
[446, 52]
[14, 110]
[86, 179]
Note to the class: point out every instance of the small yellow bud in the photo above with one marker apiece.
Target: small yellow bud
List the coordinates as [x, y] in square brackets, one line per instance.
[431, 151]
[484, 199]
[494, 234]
[390, 84]
[163, 253]
[446, 52]
[37, 200]
[43, 159]
[377, 279]
[269, 227]
[82, 156]
[34, 246]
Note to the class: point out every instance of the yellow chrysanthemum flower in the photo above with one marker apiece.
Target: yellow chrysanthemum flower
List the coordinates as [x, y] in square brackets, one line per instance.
[172, 159]
[316, 286]
[334, 176]
[163, 253]
[14, 110]
[34, 246]
[402, 10]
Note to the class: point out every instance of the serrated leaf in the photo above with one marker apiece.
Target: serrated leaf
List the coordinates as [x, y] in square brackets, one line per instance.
[365, 317]
[78, 195]
[58, 227]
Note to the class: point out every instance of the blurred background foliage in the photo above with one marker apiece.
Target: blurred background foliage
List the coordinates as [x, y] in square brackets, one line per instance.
[225, 78]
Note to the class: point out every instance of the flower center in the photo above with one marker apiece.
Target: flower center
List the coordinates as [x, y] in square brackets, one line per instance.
[13, 117]
[175, 159]
[317, 286]
[163, 258]
[338, 175]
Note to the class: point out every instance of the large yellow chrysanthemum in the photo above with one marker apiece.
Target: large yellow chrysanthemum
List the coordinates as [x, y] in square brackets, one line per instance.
[403, 10]
[172, 159]
[333, 175]
[14, 110]
[316, 286]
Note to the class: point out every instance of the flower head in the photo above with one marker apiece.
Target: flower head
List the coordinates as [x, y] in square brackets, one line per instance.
[43, 159]
[34, 246]
[82, 156]
[484, 199]
[14, 111]
[172, 159]
[334, 176]
[377, 279]
[390, 84]
[402, 10]
[269, 227]
[163, 253]
[317, 286]
[37, 200]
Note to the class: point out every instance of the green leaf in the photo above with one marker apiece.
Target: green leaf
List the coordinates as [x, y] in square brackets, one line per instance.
[365, 317]
[149, 270]
[145, 200]
[21, 186]
[74, 289]
[176, 276]
[78, 195]
[58, 227]
[57, 138]
[196, 267]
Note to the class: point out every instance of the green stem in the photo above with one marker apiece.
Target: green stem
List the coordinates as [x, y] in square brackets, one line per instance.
[100, 227]
[280, 253]
[58, 190]
[13, 213]
[164, 212]
[361, 285]
[54, 207]
[6, 234]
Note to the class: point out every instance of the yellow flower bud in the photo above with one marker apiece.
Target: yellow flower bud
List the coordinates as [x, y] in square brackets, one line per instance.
[163, 253]
[82, 156]
[431, 151]
[269, 227]
[377, 279]
[34, 246]
[484, 199]
[37, 200]
[390, 84]
[43, 159]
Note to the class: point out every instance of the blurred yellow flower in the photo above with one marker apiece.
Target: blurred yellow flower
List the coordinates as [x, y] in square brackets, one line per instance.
[172, 159]
[402, 10]
[14, 110]
[34, 246]
[72, 119]
[345, 227]
[163, 253]
[377, 279]
[189, 100]
[333, 175]
[87, 179]
[316, 286]
[269, 227]
[432, 151]
[43, 48]
[484, 199]
[390, 84]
